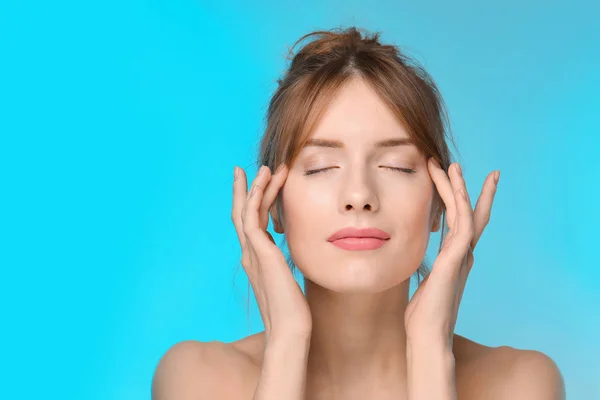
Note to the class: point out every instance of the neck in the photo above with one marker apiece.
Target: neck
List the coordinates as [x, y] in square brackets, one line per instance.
[358, 341]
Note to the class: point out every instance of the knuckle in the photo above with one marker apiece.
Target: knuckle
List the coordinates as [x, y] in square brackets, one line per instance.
[258, 189]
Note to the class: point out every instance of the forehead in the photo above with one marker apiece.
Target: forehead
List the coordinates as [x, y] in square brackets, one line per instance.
[358, 114]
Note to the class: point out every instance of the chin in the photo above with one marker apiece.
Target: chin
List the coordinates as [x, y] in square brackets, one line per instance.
[360, 276]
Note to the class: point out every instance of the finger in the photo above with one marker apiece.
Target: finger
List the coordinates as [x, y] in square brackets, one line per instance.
[250, 215]
[261, 180]
[444, 188]
[464, 231]
[270, 194]
[464, 218]
[240, 192]
[483, 208]
[481, 217]
[459, 238]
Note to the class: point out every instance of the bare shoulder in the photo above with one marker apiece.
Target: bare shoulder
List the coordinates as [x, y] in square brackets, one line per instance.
[209, 370]
[204, 370]
[505, 372]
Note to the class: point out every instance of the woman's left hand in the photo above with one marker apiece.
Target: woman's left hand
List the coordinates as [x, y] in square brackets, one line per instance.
[431, 314]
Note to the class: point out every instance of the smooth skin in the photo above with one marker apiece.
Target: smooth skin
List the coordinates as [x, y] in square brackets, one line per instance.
[355, 335]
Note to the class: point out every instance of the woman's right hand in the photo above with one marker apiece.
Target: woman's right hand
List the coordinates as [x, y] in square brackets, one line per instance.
[282, 304]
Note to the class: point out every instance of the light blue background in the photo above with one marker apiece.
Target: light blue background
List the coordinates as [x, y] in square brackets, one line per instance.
[120, 125]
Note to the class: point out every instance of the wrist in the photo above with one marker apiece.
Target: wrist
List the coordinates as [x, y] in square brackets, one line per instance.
[431, 372]
[287, 341]
[430, 344]
[286, 350]
[287, 336]
[440, 356]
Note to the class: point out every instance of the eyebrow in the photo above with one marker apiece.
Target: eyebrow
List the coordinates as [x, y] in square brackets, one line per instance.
[336, 144]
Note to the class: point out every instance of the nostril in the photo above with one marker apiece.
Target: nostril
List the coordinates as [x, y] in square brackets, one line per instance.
[366, 207]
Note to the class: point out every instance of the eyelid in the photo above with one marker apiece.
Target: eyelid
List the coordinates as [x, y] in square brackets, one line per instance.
[313, 171]
[401, 169]
[317, 170]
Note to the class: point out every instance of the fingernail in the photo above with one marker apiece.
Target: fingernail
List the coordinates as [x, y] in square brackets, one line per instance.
[497, 177]
[459, 169]
[435, 162]
[279, 168]
[235, 173]
[262, 169]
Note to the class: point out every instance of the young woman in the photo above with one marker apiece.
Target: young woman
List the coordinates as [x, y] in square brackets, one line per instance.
[356, 172]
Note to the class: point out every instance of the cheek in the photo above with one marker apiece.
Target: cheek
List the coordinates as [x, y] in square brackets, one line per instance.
[414, 196]
[409, 207]
[305, 223]
[305, 209]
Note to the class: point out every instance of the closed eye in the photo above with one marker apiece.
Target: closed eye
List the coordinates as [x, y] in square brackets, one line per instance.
[407, 170]
[316, 171]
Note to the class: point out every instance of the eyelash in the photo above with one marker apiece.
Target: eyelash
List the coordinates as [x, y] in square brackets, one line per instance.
[316, 171]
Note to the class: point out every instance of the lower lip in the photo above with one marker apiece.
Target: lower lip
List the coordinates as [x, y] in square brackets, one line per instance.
[364, 243]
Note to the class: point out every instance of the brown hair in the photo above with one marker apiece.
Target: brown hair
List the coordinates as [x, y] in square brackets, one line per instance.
[320, 69]
[316, 73]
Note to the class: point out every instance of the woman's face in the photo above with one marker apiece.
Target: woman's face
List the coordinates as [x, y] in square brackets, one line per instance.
[356, 172]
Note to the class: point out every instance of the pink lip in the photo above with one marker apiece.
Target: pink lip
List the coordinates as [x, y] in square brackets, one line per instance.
[359, 239]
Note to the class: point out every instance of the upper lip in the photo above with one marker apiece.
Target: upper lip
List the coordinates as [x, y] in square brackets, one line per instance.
[352, 232]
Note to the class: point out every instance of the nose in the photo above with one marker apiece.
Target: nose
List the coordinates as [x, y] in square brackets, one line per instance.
[358, 193]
